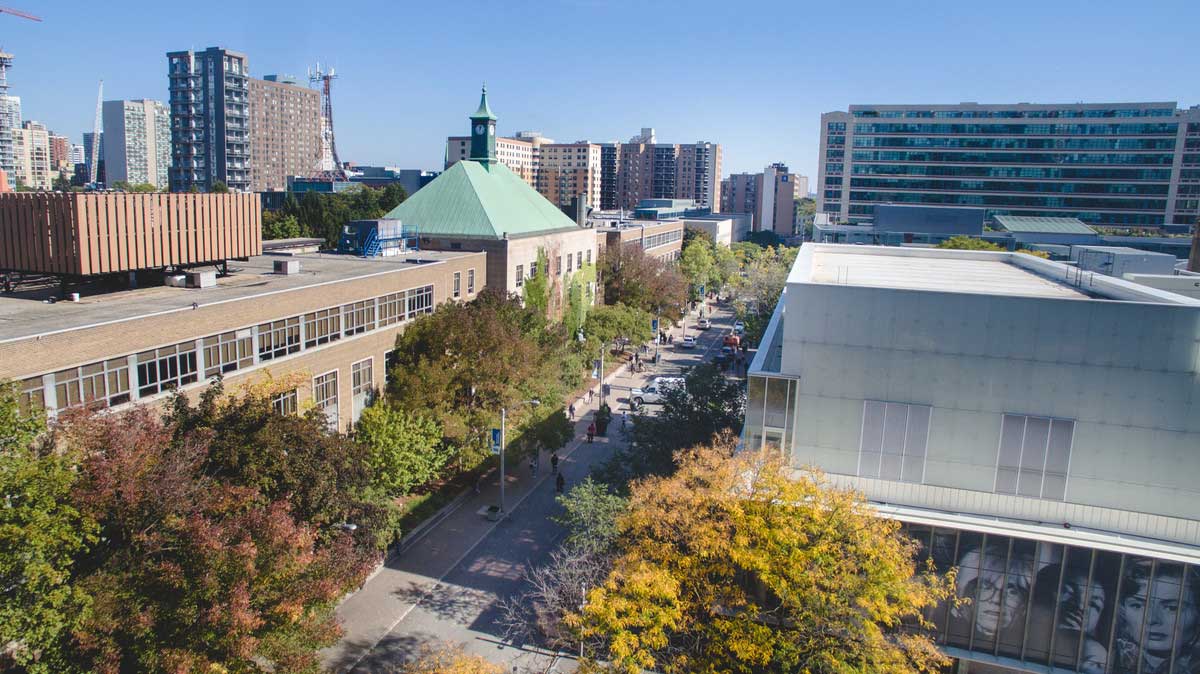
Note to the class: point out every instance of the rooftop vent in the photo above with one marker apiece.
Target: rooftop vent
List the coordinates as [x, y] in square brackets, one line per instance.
[202, 279]
[287, 267]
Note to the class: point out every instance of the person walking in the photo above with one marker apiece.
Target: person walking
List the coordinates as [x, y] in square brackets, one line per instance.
[624, 419]
[560, 483]
[571, 411]
[533, 465]
[591, 392]
[554, 463]
[591, 431]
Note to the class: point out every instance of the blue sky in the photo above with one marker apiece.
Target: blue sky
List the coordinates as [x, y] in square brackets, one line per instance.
[752, 75]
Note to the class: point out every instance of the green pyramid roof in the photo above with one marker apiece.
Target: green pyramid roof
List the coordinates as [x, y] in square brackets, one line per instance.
[474, 199]
[484, 112]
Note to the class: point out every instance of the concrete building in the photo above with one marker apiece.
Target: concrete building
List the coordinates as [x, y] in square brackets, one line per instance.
[31, 152]
[661, 239]
[285, 131]
[139, 142]
[1120, 164]
[480, 204]
[724, 228]
[567, 171]
[1030, 424]
[60, 154]
[76, 155]
[8, 122]
[769, 197]
[210, 119]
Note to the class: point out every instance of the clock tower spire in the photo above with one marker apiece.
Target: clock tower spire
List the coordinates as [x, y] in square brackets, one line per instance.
[483, 132]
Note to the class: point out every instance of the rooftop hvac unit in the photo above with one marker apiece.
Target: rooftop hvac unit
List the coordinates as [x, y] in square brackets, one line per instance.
[287, 267]
[201, 279]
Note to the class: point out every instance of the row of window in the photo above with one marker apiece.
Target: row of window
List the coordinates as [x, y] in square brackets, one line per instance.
[661, 239]
[1005, 143]
[108, 383]
[1149, 189]
[1035, 201]
[1159, 159]
[457, 286]
[1031, 172]
[574, 261]
[1023, 129]
[1018, 114]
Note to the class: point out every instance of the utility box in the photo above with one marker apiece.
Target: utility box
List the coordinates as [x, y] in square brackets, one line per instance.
[202, 279]
[287, 267]
[1119, 260]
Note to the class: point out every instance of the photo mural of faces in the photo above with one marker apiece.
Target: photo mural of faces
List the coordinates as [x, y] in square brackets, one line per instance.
[1079, 609]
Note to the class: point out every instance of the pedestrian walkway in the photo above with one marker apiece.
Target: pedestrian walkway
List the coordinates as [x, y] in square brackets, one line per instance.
[446, 561]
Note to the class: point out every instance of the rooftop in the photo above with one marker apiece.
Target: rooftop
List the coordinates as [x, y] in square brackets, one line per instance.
[27, 313]
[959, 271]
[1042, 225]
[477, 200]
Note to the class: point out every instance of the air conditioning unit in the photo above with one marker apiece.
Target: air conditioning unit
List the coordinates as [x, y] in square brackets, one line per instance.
[201, 279]
[287, 267]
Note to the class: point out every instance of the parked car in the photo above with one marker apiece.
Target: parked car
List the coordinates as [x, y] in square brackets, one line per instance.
[739, 327]
[704, 324]
[688, 342]
[653, 392]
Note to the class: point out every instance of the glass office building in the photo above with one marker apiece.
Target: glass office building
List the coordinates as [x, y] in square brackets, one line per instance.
[1118, 164]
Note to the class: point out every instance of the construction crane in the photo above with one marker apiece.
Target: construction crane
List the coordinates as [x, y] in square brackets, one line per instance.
[94, 169]
[17, 12]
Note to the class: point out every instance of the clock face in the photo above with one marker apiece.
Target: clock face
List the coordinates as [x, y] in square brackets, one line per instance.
[491, 129]
[479, 129]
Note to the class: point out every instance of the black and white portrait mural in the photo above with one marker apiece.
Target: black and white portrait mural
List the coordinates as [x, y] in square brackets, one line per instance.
[1078, 609]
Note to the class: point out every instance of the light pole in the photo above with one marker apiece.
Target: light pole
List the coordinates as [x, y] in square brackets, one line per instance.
[503, 443]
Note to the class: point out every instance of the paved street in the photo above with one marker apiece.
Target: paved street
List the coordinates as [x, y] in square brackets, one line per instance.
[446, 586]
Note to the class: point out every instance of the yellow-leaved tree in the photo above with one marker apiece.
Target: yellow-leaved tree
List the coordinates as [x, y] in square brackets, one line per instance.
[448, 659]
[737, 564]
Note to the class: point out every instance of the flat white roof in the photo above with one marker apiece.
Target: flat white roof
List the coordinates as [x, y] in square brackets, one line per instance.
[993, 277]
[964, 271]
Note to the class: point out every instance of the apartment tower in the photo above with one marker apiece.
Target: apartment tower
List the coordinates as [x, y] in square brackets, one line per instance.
[138, 150]
[209, 119]
[285, 131]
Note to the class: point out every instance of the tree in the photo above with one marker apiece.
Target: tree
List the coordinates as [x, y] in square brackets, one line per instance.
[62, 184]
[761, 287]
[537, 286]
[590, 511]
[448, 660]
[606, 324]
[219, 187]
[707, 404]
[638, 280]
[698, 265]
[136, 188]
[734, 564]
[969, 243]
[192, 572]
[41, 532]
[406, 448]
[277, 225]
[193, 189]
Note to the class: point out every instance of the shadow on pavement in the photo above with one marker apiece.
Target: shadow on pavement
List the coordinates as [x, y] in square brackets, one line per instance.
[387, 656]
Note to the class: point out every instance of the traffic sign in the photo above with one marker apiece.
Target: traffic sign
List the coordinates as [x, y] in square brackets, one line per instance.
[496, 441]
[654, 326]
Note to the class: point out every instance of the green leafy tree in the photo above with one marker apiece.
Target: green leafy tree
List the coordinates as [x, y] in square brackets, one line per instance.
[605, 324]
[137, 188]
[698, 265]
[219, 187]
[537, 287]
[638, 280]
[406, 448]
[62, 184]
[590, 512]
[760, 287]
[969, 243]
[277, 225]
[41, 533]
[736, 564]
[193, 189]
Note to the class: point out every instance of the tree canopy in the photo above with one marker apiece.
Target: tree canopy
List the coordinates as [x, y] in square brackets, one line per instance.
[638, 280]
[322, 215]
[733, 564]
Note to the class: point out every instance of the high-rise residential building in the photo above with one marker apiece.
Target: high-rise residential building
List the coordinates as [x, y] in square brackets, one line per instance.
[210, 125]
[1029, 423]
[7, 122]
[60, 153]
[138, 147]
[77, 155]
[768, 196]
[518, 154]
[31, 151]
[567, 171]
[285, 131]
[87, 155]
[1118, 164]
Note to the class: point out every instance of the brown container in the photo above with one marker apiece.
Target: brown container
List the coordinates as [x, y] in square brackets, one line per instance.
[103, 233]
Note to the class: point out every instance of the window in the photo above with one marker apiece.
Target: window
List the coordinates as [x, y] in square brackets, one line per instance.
[227, 352]
[558, 265]
[589, 256]
[285, 403]
[520, 276]
[32, 396]
[325, 395]
[359, 317]
[104, 384]
[893, 440]
[457, 283]
[321, 327]
[361, 376]
[1033, 457]
[166, 368]
[579, 260]
[470, 281]
[420, 301]
[533, 269]
[570, 261]
[391, 309]
[278, 338]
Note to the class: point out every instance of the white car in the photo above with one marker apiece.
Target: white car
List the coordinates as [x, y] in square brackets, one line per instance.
[688, 342]
[739, 327]
[704, 324]
[653, 391]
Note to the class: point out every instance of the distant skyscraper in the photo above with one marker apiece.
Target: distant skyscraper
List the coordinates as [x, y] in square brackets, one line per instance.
[60, 153]
[285, 131]
[769, 196]
[31, 150]
[7, 121]
[101, 174]
[209, 119]
[138, 147]
[77, 154]
[1111, 164]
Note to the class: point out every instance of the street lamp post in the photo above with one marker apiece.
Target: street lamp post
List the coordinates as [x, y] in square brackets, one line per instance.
[503, 445]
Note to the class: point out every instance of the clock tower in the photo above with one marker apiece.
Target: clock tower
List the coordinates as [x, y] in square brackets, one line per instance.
[483, 132]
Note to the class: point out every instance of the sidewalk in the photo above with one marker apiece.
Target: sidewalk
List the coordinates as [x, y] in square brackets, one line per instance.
[406, 580]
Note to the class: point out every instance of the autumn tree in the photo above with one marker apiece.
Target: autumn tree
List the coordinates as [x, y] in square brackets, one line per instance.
[735, 564]
[41, 532]
[638, 280]
[446, 659]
